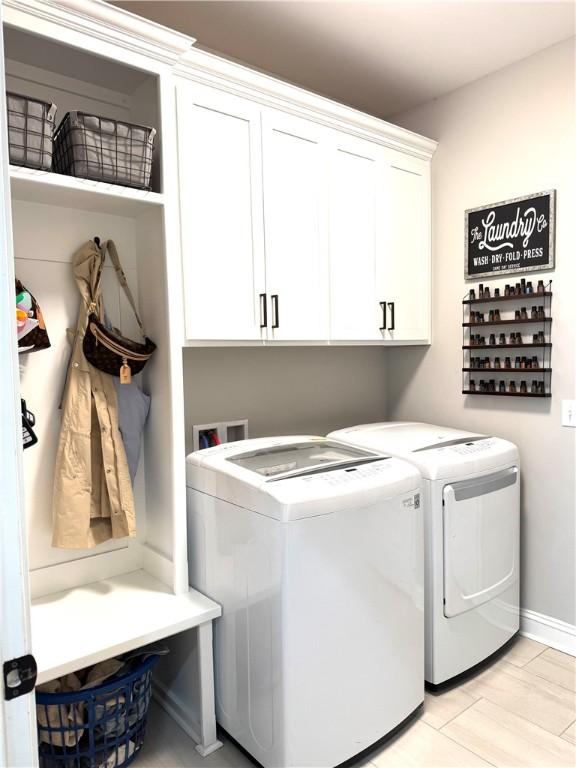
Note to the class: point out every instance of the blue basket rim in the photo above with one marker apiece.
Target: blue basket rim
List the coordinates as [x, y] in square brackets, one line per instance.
[44, 698]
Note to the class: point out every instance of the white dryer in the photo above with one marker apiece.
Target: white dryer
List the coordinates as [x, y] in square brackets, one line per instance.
[315, 551]
[471, 533]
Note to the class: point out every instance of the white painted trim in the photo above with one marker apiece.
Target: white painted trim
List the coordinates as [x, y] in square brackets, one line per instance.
[177, 710]
[86, 570]
[102, 21]
[544, 629]
[217, 72]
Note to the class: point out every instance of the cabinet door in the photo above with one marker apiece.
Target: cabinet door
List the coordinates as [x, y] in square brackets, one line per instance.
[18, 745]
[356, 168]
[295, 215]
[404, 265]
[220, 157]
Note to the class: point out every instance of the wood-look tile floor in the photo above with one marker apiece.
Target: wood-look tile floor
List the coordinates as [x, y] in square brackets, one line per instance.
[521, 712]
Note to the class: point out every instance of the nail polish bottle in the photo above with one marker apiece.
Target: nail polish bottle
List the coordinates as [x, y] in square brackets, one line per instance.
[523, 314]
[492, 385]
[496, 293]
[541, 388]
[512, 338]
[523, 388]
[534, 313]
[481, 291]
[523, 285]
[506, 290]
[535, 363]
[472, 294]
[523, 363]
[541, 339]
[482, 341]
[486, 362]
[502, 338]
[482, 385]
[529, 288]
[541, 313]
[535, 339]
[492, 339]
[518, 289]
[519, 339]
[517, 363]
[486, 292]
[508, 362]
[472, 385]
[534, 387]
[528, 362]
[502, 386]
[517, 315]
[497, 317]
[497, 362]
[540, 286]
[491, 316]
[512, 387]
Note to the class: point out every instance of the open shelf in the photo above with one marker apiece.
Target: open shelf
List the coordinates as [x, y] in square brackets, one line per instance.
[506, 322]
[49, 188]
[504, 394]
[506, 371]
[508, 298]
[88, 624]
[546, 344]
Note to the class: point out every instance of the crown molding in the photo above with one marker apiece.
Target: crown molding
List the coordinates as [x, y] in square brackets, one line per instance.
[212, 70]
[102, 21]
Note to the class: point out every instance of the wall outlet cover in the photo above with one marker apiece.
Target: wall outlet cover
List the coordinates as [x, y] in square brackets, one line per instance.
[569, 413]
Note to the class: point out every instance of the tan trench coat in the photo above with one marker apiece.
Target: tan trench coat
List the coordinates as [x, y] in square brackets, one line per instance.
[93, 499]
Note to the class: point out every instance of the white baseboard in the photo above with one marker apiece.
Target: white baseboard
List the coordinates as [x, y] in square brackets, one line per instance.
[544, 629]
[179, 712]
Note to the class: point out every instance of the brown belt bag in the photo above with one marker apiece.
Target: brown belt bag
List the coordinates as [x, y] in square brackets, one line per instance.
[105, 348]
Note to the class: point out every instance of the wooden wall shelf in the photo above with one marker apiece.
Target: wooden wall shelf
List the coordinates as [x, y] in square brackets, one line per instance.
[545, 345]
[501, 371]
[504, 394]
[470, 330]
[507, 322]
[508, 298]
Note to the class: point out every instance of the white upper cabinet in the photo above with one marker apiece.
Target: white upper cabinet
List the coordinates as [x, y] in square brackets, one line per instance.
[403, 271]
[295, 226]
[297, 232]
[355, 182]
[220, 166]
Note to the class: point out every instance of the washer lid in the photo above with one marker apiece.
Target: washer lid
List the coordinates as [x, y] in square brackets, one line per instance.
[300, 458]
[289, 478]
[438, 452]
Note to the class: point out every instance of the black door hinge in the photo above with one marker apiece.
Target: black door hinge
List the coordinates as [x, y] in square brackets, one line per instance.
[19, 676]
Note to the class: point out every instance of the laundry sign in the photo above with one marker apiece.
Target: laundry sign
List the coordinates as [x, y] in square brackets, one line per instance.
[513, 236]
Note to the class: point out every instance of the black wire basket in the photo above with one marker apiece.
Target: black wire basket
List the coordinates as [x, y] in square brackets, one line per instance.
[103, 149]
[30, 131]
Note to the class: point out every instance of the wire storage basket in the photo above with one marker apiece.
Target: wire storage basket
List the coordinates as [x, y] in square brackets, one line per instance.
[30, 131]
[99, 727]
[103, 149]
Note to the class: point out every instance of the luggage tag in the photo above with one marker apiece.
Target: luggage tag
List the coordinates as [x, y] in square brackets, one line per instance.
[28, 421]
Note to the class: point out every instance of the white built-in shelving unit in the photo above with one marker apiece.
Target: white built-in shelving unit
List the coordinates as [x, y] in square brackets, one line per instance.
[88, 605]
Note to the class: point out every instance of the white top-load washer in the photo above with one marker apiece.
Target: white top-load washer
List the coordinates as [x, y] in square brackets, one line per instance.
[315, 551]
[471, 500]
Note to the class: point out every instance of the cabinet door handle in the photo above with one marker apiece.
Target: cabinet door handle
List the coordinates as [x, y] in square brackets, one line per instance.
[275, 312]
[383, 308]
[263, 311]
[393, 313]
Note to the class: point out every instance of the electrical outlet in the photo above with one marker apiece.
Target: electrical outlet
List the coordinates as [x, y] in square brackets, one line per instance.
[569, 413]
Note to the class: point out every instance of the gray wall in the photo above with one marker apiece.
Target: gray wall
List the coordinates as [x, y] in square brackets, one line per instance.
[286, 390]
[509, 134]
